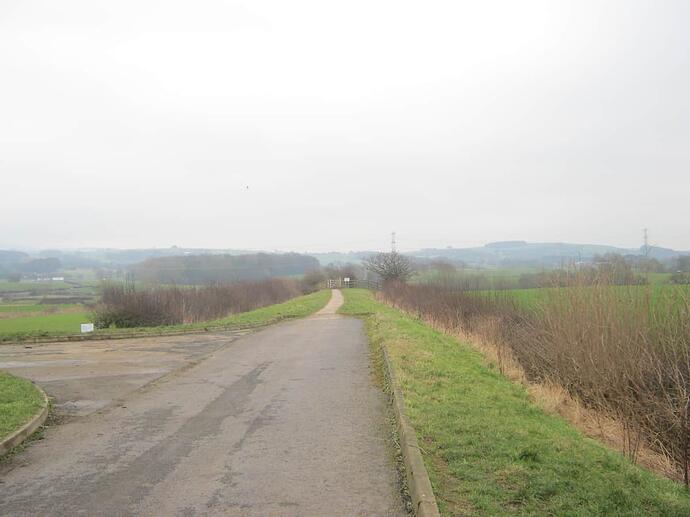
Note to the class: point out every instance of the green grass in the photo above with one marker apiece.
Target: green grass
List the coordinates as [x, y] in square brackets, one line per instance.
[658, 278]
[296, 308]
[19, 401]
[36, 307]
[33, 307]
[68, 323]
[488, 449]
[661, 295]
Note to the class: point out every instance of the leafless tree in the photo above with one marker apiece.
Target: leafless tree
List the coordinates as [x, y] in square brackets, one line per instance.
[389, 266]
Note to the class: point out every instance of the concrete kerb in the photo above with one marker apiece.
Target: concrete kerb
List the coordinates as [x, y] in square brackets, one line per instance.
[418, 483]
[21, 434]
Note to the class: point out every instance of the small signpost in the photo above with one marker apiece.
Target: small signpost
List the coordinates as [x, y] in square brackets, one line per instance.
[86, 327]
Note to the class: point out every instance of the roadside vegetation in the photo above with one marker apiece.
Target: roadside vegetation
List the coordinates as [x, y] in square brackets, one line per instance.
[488, 448]
[19, 402]
[126, 305]
[619, 351]
[36, 306]
[297, 307]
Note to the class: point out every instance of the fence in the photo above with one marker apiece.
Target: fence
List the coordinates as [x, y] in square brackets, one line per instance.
[345, 283]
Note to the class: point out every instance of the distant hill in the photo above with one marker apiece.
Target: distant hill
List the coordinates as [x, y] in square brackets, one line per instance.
[107, 257]
[9, 258]
[204, 269]
[545, 254]
[494, 254]
[337, 257]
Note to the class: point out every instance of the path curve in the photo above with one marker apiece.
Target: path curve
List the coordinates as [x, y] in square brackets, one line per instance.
[285, 421]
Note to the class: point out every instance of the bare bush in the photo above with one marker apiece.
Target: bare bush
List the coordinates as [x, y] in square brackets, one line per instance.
[621, 350]
[125, 305]
[391, 267]
[313, 280]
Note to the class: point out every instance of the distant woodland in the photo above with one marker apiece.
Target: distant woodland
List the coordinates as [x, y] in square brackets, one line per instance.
[207, 269]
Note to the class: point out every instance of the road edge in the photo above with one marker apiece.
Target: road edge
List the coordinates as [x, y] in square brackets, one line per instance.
[418, 483]
[20, 435]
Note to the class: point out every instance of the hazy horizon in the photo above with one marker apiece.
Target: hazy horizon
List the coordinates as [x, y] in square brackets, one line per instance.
[308, 126]
[384, 247]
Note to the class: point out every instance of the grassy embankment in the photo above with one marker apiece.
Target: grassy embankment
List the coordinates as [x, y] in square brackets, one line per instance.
[68, 323]
[488, 449]
[19, 401]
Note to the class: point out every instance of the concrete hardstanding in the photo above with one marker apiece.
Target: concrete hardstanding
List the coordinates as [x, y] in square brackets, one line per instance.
[285, 421]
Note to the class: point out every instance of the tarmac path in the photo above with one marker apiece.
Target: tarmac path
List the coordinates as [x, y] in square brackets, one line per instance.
[284, 421]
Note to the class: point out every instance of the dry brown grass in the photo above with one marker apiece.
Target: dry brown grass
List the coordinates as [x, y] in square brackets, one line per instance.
[609, 362]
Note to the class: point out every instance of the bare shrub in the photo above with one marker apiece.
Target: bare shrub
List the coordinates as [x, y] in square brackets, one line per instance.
[313, 280]
[623, 351]
[124, 305]
[391, 267]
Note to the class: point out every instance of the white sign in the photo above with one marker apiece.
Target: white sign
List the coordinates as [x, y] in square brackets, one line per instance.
[347, 279]
[86, 327]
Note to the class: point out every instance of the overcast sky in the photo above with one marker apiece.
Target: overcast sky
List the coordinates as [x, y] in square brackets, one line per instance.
[326, 125]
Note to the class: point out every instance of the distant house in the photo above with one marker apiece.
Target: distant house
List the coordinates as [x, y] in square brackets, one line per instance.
[58, 278]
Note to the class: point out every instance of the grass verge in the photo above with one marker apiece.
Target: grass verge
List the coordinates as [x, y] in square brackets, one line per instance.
[488, 449]
[19, 402]
[294, 308]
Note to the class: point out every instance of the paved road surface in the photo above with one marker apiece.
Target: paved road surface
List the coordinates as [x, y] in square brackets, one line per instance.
[285, 421]
[87, 376]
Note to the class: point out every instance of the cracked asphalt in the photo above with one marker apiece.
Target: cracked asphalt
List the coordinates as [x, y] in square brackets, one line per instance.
[284, 421]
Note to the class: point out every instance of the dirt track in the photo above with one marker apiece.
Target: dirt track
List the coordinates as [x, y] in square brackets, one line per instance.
[285, 421]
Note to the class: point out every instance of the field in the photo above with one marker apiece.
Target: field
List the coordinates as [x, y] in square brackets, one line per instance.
[68, 323]
[74, 289]
[489, 450]
[45, 286]
[659, 294]
[31, 308]
[509, 278]
[35, 309]
[60, 323]
[19, 401]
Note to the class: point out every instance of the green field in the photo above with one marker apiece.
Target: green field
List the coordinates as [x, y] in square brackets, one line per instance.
[488, 449]
[502, 278]
[19, 401]
[61, 323]
[507, 276]
[33, 286]
[68, 323]
[659, 294]
[36, 307]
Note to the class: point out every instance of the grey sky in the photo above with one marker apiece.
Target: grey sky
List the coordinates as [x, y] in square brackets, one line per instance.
[137, 123]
